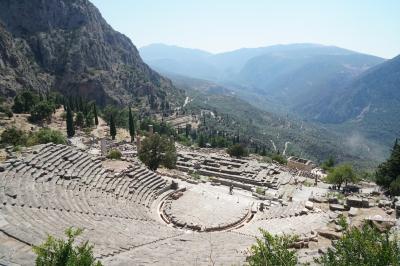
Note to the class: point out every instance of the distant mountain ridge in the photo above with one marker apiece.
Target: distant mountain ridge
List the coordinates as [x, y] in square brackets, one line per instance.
[370, 103]
[72, 49]
[354, 93]
[292, 75]
[233, 60]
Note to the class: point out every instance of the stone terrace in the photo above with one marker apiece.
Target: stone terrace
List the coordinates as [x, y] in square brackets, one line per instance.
[236, 170]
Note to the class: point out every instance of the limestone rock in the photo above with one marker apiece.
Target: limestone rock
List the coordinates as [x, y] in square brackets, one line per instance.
[309, 205]
[329, 234]
[68, 46]
[304, 211]
[353, 211]
[336, 207]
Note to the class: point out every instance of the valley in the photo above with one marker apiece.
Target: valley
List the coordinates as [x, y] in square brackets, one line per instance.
[284, 154]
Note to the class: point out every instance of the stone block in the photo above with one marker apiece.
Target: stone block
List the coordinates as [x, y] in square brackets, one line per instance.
[353, 211]
[357, 202]
[309, 205]
[337, 207]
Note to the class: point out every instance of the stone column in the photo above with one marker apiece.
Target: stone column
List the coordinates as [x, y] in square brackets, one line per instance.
[103, 147]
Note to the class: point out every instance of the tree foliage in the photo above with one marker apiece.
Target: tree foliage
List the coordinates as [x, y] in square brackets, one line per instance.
[201, 141]
[70, 123]
[79, 119]
[328, 164]
[362, 246]
[13, 136]
[25, 101]
[273, 250]
[131, 125]
[46, 135]
[341, 174]
[120, 116]
[65, 253]
[158, 150]
[16, 137]
[278, 158]
[237, 150]
[96, 119]
[113, 129]
[388, 173]
[42, 111]
[114, 154]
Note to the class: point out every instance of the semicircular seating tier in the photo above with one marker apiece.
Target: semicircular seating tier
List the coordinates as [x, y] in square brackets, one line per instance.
[58, 186]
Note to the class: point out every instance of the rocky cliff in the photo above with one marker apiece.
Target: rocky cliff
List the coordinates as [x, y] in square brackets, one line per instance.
[66, 45]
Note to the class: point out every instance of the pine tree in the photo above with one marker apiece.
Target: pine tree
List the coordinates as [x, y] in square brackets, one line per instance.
[131, 125]
[388, 173]
[70, 123]
[113, 130]
[96, 119]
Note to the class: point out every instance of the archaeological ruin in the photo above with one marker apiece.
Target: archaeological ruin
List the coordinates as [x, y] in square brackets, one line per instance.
[207, 210]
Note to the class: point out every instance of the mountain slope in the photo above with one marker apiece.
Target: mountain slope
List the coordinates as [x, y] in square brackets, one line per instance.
[291, 75]
[178, 60]
[79, 52]
[295, 78]
[284, 133]
[370, 103]
[16, 70]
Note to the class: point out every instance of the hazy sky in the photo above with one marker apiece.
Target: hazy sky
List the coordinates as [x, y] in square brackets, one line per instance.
[369, 26]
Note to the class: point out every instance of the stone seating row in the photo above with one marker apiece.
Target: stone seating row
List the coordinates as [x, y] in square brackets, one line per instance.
[109, 234]
[277, 211]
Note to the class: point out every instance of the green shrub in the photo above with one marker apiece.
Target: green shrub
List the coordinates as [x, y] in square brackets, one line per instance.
[158, 150]
[42, 111]
[184, 140]
[195, 176]
[114, 154]
[365, 246]
[394, 187]
[278, 158]
[328, 164]
[60, 252]
[46, 135]
[25, 101]
[341, 174]
[260, 190]
[79, 119]
[6, 110]
[13, 136]
[273, 250]
[17, 148]
[388, 172]
[237, 150]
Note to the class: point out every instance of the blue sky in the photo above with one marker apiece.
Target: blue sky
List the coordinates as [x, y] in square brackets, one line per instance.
[368, 26]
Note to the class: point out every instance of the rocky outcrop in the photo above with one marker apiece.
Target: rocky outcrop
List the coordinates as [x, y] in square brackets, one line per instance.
[66, 45]
[16, 70]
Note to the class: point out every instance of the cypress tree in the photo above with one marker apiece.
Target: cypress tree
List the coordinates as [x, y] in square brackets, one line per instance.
[131, 125]
[187, 130]
[70, 123]
[96, 119]
[113, 130]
